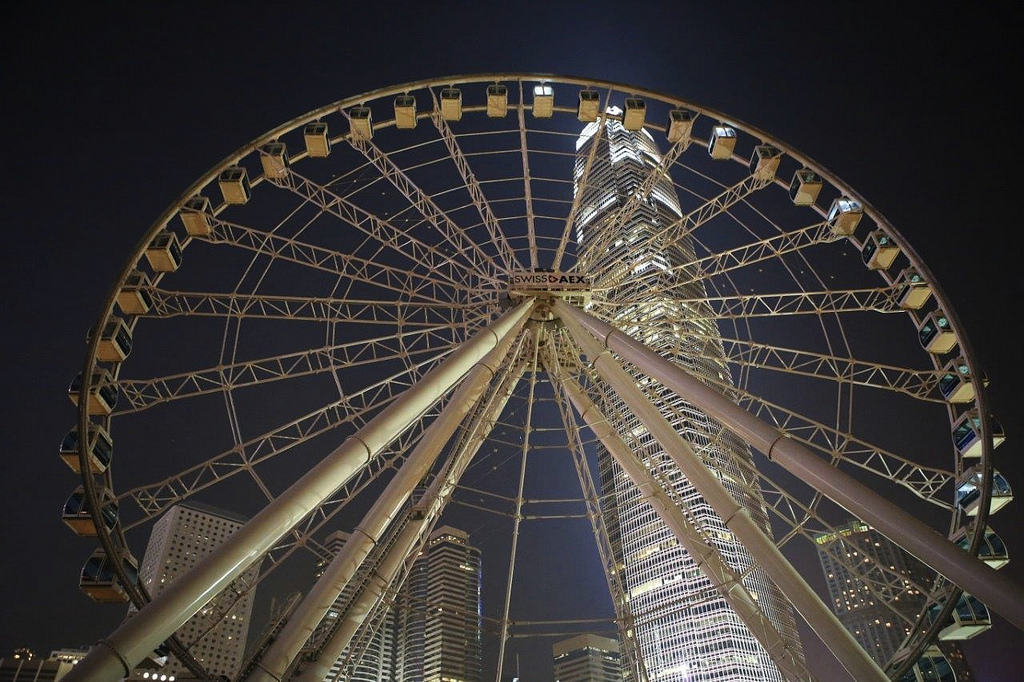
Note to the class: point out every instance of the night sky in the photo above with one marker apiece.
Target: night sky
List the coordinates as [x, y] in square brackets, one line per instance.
[113, 109]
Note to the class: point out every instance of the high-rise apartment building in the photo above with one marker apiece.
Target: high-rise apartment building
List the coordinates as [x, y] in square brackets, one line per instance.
[587, 658]
[186, 534]
[684, 628]
[876, 589]
[438, 614]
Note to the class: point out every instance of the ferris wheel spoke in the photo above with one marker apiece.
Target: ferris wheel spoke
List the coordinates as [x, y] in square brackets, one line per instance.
[354, 409]
[398, 279]
[482, 262]
[472, 186]
[444, 263]
[143, 394]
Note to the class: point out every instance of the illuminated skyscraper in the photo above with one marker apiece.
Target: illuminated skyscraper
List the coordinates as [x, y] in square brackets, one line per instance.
[438, 618]
[685, 629]
[875, 590]
[180, 540]
[587, 658]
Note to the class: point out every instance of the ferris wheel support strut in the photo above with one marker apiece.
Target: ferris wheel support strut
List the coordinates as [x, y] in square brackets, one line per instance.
[185, 596]
[705, 555]
[762, 548]
[1000, 592]
[410, 538]
[300, 626]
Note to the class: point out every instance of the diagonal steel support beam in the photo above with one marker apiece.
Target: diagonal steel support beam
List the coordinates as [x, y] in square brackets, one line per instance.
[311, 611]
[708, 559]
[116, 656]
[999, 591]
[762, 548]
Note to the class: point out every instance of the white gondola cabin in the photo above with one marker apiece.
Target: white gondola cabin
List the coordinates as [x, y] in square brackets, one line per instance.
[764, 161]
[99, 449]
[497, 100]
[164, 252]
[195, 216]
[77, 514]
[956, 384]
[234, 185]
[912, 291]
[879, 250]
[967, 434]
[405, 112]
[318, 144]
[274, 159]
[805, 187]
[102, 392]
[969, 619]
[992, 549]
[968, 491]
[115, 343]
[360, 120]
[99, 577]
[680, 125]
[936, 333]
[635, 114]
[844, 216]
[589, 107]
[722, 142]
[543, 100]
[451, 104]
[134, 297]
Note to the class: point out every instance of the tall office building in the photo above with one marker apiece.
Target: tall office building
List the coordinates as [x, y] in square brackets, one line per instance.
[875, 590]
[180, 540]
[375, 657]
[438, 613]
[587, 658]
[684, 628]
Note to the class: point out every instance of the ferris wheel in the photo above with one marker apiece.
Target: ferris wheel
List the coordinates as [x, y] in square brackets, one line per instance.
[520, 302]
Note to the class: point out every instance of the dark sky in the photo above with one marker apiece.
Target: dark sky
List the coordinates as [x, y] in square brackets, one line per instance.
[112, 109]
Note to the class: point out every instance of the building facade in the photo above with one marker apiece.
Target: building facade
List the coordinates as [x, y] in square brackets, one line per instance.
[186, 534]
[438, 612]
[877, 591]
[684, 628]
[587, 658]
